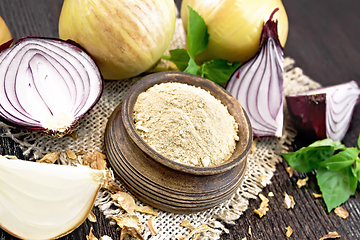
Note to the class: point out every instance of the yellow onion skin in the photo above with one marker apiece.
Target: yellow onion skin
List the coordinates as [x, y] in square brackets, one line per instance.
[235, 26]
[124, 37]
[5, 34]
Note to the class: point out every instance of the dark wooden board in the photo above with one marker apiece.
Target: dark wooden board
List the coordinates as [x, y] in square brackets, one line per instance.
[324, 41]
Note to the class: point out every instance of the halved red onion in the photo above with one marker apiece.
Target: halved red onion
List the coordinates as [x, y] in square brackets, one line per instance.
[258, 84]
[324, 112]
[47, 85]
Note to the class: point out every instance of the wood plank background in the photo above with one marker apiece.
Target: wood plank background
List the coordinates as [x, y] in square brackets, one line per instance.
[324, 41]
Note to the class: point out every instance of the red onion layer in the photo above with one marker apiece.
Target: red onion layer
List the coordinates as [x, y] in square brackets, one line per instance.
[47, 85]
[324, 112]
[258, 84]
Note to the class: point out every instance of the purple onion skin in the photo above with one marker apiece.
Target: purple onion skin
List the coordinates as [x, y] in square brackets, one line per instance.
[270, 31]
[307, 114]
[324, 112]
[258, 84]
[73, 126]
[72, 43]
[6, 45]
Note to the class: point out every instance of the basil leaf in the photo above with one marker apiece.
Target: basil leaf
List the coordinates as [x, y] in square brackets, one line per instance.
[307, 159]
[192, 67]
[340, 160]
[328, 142]
[358, 142]
[218, 70]
[198, 36]
[180, 57]
[336, 186]
[356, 169]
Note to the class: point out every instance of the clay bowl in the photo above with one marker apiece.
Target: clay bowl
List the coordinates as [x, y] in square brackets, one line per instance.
[163, 183]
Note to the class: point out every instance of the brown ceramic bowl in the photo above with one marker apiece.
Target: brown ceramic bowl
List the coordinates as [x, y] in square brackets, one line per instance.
[234, 107]
[164, 183]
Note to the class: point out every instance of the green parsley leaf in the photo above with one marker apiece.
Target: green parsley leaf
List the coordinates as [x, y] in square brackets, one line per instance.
[218, 70]
[192, 67]
[336, 186]
[180, 57]
[198, 36]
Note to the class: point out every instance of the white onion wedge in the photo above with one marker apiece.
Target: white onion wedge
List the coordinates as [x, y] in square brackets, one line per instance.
[324, 112]
[45, 201]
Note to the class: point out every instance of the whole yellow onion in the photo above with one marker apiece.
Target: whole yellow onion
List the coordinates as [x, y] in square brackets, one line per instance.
[5, 34]
[125, 37]
[235, 26]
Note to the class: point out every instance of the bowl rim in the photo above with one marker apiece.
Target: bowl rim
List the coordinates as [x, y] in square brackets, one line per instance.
[174, 76]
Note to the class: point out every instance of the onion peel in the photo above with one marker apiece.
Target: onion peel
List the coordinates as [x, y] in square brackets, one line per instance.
[126, 38]
[235, 26]
[5, 34]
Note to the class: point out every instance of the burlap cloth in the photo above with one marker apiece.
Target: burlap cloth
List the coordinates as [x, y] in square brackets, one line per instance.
[262, 162]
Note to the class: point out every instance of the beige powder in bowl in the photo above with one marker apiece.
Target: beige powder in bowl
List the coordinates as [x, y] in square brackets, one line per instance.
[186, 124]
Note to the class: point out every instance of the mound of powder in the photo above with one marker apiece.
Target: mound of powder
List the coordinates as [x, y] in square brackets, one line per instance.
[185, 124]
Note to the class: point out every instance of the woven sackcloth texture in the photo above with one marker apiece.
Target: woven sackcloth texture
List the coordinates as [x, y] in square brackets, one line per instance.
[262, 161]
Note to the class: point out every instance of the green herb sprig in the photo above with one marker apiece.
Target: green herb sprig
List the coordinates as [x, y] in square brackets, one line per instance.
[337, 168]
[217, 70]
